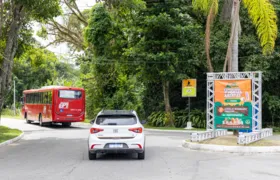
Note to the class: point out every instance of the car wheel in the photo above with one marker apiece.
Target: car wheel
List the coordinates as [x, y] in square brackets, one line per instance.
[66, 124]
[91, 156]
[141, 155]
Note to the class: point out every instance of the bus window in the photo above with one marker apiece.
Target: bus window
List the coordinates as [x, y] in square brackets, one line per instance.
[45, 97]
[70, 94]
[50, 97]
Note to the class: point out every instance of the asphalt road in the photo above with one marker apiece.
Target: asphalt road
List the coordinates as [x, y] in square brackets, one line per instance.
[58, 153]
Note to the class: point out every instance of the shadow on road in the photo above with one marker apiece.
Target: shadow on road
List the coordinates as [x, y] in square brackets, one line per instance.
[59, 126]
[116, 157]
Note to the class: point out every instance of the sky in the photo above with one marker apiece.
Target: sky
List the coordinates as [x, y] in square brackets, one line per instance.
[62, 48]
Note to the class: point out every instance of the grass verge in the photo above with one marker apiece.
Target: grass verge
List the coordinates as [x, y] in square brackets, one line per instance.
[12, 117]
[7, 133]
[232, 141]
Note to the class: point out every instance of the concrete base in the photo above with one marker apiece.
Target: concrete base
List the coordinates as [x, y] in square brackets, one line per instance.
[231, 149]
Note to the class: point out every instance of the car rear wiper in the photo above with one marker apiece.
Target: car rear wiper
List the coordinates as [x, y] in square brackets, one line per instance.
[112, 123]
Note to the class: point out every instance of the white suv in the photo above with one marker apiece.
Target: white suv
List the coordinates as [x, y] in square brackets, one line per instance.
[116, 131]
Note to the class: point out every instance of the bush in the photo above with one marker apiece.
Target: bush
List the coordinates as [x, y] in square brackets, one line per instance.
[10, 112]
[197, 117]
[157, 119]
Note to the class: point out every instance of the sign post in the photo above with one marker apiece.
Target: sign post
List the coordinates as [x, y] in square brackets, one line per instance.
[189, 90]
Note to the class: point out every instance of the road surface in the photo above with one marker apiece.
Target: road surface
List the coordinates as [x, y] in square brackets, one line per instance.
[56, 153]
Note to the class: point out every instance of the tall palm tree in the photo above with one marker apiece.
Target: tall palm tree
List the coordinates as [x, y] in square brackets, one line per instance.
[263, 16]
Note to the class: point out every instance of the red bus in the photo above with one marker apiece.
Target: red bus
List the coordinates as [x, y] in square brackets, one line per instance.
[54, 104]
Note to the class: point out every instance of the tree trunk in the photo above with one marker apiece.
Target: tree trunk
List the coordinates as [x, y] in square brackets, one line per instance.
[168, 110]
[234, 63]
[232, 51]
[210, 19]
[227, 7]
[10, 51]
[1, 16]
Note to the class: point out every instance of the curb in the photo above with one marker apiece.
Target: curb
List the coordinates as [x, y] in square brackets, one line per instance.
[231, 149]
[12, 140]
[161, 130]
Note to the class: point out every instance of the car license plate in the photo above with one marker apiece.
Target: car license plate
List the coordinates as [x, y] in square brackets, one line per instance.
[115, 146]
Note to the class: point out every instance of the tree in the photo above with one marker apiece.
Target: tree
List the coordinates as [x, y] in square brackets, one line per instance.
[263, 17]
[165, 41]
[70, 30]
[19, 13]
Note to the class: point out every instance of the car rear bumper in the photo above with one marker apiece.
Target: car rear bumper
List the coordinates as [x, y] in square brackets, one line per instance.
[136, 144]
[114, 150]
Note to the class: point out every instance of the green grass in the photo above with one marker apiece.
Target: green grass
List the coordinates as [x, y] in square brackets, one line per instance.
[172, 128]
[12, 117]
[7, 133]
[9, 113]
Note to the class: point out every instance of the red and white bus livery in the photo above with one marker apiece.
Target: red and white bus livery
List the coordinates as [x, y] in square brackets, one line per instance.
[54, 104]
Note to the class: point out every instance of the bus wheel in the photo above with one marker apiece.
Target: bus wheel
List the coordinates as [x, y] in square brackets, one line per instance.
[26, 119]
[68, 124]
[40, 120]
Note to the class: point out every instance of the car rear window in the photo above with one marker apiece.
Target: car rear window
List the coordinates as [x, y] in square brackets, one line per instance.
[116, 120]
[70, 94]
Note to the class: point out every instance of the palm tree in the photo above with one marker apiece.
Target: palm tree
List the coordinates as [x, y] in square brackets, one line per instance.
[263, 16]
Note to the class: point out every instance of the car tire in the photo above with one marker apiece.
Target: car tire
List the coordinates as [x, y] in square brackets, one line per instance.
[92, 156]
[141, 155]
[66, 124]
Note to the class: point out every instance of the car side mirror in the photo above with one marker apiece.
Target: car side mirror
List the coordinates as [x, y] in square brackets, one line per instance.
[143, 122]
[92, 121]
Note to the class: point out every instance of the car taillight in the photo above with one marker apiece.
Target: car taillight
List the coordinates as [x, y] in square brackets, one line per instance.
[95, 130]
[136, 130]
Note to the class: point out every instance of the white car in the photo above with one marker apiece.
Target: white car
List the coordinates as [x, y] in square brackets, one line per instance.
[116, 131]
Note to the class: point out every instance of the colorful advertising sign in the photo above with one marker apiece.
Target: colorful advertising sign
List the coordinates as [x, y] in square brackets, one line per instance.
[189, 88]
[233, 104]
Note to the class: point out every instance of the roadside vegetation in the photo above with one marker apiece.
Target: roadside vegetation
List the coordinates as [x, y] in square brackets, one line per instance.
[9, 113]
[7, 133]
[134, 54]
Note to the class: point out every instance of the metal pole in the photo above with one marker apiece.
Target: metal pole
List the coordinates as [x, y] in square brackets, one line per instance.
[14, 97]
[189, 108]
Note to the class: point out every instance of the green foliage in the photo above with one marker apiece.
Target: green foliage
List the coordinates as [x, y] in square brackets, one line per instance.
[205, 5]
[98, 31]
[41, 10]
[157, 119]
[264, 18]
[197, 117]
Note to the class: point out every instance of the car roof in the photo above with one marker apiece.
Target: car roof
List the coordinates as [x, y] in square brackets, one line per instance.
[117, 112]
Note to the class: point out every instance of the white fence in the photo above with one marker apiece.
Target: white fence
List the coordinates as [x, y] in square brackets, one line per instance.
[247, 138]
[200, 136]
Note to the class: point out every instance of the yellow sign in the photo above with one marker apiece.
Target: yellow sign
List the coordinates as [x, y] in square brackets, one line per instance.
[189, 88]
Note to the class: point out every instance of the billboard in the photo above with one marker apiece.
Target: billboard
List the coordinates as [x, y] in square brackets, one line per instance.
[233, 104]
[189, 88]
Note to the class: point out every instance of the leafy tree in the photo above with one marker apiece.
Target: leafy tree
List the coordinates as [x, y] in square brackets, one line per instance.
[263, 17]
[166, 40]
[17, 14]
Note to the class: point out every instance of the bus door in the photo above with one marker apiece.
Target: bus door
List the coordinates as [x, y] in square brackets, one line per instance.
[47, 108]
